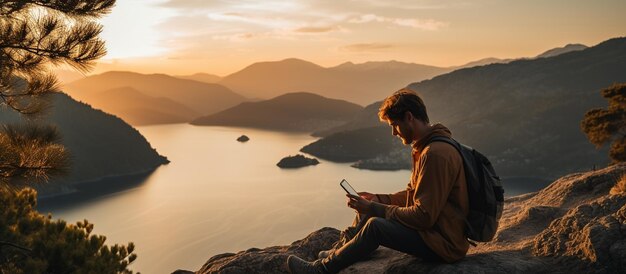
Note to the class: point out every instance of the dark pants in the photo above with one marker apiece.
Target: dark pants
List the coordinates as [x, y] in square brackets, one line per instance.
[376, 231]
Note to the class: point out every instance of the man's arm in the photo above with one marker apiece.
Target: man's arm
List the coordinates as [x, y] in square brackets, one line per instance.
[398, 198]
[435, 179]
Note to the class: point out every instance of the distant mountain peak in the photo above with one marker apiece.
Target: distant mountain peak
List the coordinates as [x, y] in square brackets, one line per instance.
[361, 83]
[484, 61]
[121, 74]
[385, 65]
[561, 50]
[203, 98]
[203, 74]
[549, 53]
[294, 60]
[291, 61]
[202, 77]
[289, 64]
[347, 64]
[299, 94]
[305, 96]
[116, 72]
[299, 111]
[159, 74]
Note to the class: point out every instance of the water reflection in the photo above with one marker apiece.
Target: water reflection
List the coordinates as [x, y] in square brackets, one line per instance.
[218, 195]
[90, 192]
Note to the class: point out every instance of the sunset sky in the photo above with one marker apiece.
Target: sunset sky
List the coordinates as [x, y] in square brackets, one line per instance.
[221, 37]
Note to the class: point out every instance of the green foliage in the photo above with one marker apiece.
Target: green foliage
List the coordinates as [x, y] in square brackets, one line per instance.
[34, 243]
[608, 125]
[30, 153]
[35, 34]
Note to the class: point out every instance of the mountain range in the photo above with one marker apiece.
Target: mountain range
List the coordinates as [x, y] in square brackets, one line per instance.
[200, 97]
[524, 115]
[139, 109]
[299, 111]
[359, 83]
[202, 77]
[548, 53]
[100, 145]
[161, 99]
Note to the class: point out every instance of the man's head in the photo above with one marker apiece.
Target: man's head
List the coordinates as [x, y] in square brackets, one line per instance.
[405, 112]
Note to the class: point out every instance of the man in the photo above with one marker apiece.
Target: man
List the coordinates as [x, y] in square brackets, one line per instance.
[426, 219]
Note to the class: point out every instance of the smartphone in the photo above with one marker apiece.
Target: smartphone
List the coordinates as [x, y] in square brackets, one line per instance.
[348, 188]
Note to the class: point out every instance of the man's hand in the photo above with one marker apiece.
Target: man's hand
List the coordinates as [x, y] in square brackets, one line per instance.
[369, 196]
[359, 203]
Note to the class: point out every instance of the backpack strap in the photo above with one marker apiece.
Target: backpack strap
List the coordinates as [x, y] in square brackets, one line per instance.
[468, 160]
[445, 139]
[457, 145]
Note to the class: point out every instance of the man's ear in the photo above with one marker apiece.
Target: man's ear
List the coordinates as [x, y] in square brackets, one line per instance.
[408, 116]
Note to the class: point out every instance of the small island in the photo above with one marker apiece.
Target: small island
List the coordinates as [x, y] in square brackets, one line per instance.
[243, 138]
[297, 161]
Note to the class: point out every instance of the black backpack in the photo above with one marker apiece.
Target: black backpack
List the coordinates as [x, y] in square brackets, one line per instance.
[486, 195]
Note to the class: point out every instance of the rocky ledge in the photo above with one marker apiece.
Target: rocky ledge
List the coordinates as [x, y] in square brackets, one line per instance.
[577, 223]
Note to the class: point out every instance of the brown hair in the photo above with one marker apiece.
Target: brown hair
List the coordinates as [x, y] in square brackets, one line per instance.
[396, 105]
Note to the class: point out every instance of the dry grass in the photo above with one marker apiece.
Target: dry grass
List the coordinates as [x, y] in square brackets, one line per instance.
[620, 185]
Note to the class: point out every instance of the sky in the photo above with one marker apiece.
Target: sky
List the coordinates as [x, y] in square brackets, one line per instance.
[220, 37]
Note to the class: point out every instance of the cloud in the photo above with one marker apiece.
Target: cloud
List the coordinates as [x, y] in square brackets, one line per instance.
[316, 29]
[250, 5]
[413, 5]
[283, 35]
[205, 27]
[423, 24]
[237, 37]
[426, 24]
[271, 21]
[316, 16]
[366, 47]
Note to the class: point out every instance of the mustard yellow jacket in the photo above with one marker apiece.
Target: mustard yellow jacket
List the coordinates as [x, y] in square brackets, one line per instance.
[435, 202]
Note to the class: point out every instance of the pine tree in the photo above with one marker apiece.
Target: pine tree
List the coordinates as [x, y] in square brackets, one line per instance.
[33, 243]
[608, 125]
[34, 36]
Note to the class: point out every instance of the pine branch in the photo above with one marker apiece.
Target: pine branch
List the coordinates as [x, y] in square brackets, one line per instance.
[30, 153]
[77, 8]
[65, 33]
[3, 243]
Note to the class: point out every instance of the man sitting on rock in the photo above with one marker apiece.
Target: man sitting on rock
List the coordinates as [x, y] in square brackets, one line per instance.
[425, 220]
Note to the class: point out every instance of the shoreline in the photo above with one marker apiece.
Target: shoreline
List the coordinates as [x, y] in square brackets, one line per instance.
[86, 191]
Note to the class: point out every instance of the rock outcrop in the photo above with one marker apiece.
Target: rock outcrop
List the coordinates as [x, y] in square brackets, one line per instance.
[271, 259]
[577, 223]
[297, 161]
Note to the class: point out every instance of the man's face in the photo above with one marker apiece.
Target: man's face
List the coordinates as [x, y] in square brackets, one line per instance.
[402, 129]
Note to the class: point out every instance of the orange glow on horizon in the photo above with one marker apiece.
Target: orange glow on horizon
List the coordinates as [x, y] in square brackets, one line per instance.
[184, 37]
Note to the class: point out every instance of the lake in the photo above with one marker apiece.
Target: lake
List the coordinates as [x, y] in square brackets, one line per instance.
[218, 195]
